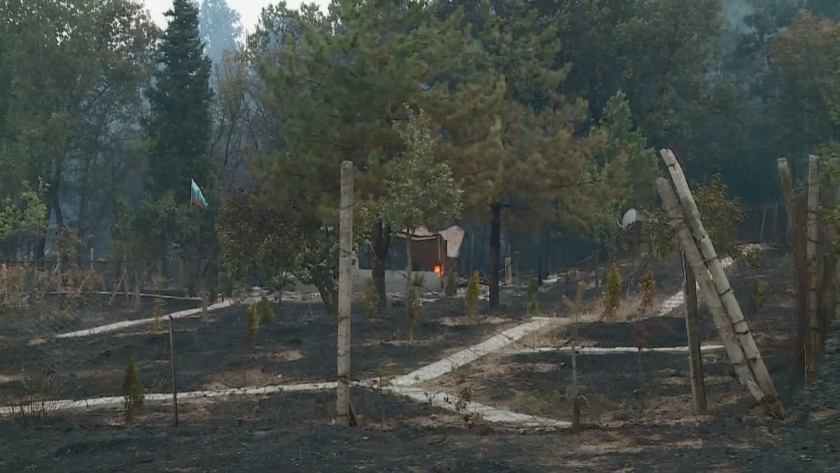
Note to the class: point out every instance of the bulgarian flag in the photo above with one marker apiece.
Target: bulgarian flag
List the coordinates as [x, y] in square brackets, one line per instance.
[196, 197]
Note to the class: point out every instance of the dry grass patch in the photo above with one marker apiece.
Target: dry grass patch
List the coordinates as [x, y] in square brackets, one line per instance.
[282, 356]
[239, 379]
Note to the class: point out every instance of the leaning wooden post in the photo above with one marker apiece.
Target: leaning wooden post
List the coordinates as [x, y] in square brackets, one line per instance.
[345, 292]
[735, 351]
[812, 345]
[722, 287]
[695, 357]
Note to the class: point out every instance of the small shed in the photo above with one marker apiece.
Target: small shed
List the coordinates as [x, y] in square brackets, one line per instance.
[430, 249]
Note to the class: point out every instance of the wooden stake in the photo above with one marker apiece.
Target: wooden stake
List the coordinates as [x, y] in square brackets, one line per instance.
[345, 292]
[641, 385]
[172, 366]
[734, 350]
[575, 394]
[695, 359]
[812, 357]
[91, 258]
[776, 223]
[761, 230]
[125, 277]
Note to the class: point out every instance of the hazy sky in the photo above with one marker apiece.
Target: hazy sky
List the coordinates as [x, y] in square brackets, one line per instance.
[249, 9]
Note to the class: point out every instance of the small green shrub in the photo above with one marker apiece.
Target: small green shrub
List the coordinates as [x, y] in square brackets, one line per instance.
[473, 291]
[612, 299]
[412, 306]
[647, 287]
[133, 391]
[451, 284]
[228, 290]
[371, 300]
[157, 324]
[752, 257]
[253, 321]
[192, 291]
[419, 280]
[533, 293]
[212, 293]
[758, 295]
[576, 305]
[265, 311]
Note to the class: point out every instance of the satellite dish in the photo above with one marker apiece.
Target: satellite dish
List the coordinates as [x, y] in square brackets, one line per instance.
[630, 217]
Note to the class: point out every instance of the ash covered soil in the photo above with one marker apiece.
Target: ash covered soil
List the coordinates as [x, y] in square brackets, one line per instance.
[292, 432]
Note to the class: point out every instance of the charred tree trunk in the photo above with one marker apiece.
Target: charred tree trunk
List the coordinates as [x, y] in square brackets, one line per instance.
[380, 244]
[495, 253]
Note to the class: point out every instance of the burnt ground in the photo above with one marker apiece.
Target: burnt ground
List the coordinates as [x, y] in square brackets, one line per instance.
[56, 314]
[215, 352]
[541, 384]
[292, 432]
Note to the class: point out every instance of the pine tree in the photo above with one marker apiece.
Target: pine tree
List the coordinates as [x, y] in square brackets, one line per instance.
[523, 154]
[132, 390]
[179, 127]
[451, 283]
[343, 89]
[471, 299]
[253, 320]
[612, 301]
[220, 27]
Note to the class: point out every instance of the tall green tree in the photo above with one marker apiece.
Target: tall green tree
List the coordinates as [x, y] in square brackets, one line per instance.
[220, 27]
[179, 127]
[75, 71]
[520, 159]
[341, 83]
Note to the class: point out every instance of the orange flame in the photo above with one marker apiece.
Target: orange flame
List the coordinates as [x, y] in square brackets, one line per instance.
[437, 269]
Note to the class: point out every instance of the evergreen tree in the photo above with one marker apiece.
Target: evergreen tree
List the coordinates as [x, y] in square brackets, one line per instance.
[341, 81]
[220, 27]
[180, 123]
[523, 154]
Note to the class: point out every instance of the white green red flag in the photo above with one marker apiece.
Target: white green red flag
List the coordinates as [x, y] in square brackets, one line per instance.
[196, 197]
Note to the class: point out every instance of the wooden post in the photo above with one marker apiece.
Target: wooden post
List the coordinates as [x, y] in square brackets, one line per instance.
[695, 358]
[472, 251]
[508, 271]
[734, 349]
[723, 289]
[796, 237]
[345, 292]
[812, 345]
[776, 223]
[575, 393]
[761, 230]
[125, 278]
[172, 366]
[91, 258]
